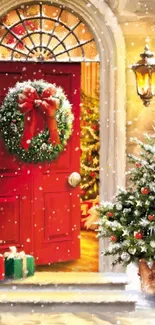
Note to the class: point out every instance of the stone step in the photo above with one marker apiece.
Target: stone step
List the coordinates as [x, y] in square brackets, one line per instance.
[69, 280]
[71, 301]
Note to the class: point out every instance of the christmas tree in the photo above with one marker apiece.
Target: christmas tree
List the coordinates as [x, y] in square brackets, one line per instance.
[89, 147]
[129, 222]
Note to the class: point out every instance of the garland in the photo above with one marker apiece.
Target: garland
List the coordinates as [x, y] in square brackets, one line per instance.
[36, 121]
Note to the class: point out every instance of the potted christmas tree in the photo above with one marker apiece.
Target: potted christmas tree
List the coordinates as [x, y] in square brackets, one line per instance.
[129, 222]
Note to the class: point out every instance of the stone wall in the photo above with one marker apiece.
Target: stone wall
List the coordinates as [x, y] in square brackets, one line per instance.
[139, 119]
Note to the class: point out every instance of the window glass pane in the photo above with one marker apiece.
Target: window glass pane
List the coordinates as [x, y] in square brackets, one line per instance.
[10, 19]
[29, 11]
[45, 32]
[83, 33]
[68, 19]
[51, 11]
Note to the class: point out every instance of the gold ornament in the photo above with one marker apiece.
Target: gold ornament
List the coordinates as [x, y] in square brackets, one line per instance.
[95, 187]
[86, 168]
[95, 161]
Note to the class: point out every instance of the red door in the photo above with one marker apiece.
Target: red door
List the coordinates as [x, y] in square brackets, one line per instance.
[40, 211]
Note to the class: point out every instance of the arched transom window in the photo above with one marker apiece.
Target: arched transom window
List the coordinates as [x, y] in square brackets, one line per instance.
[45, 32]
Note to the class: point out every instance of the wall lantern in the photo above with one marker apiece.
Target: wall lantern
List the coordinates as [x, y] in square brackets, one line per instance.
[145, 76]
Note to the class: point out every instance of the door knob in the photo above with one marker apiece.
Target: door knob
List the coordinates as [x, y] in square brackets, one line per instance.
[74, 179]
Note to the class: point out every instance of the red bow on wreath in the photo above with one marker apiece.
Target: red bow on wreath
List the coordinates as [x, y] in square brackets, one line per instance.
[39, 111]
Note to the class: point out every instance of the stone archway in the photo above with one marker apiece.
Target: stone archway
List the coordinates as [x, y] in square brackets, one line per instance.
[111, 47]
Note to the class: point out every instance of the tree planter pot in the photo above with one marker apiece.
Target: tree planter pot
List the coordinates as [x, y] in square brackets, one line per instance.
[147, 277]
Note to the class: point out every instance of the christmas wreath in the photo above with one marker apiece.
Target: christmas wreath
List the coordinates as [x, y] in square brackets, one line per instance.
[36, 121]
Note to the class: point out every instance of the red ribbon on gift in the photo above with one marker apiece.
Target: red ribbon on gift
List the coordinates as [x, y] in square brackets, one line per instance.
[39, 112]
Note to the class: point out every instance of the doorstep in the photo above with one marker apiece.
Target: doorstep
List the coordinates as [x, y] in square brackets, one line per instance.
[75, 279]
[70, 301]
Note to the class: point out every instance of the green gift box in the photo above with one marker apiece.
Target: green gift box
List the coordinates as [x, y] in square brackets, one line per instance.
[14, 268]
[30, 265]
[18, 265]
[18, 268]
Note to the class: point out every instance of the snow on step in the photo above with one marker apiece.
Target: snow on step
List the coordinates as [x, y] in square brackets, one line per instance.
[72, 278]
[71, 297]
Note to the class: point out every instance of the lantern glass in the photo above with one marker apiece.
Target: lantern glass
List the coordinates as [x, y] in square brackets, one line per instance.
[143, 78]
[153, 82]
[145, 75]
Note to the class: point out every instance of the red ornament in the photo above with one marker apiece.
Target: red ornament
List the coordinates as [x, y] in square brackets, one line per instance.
[92, 174]
[89, 111]
[89, 158]
[151, 217]
[138, 165]
[95, 127]
[145, 190]
[109, 214]
[83, 192]
[83, 123]
[113, 238]
[138, 235]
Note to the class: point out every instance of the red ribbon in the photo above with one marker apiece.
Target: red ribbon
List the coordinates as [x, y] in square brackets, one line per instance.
[39, 112]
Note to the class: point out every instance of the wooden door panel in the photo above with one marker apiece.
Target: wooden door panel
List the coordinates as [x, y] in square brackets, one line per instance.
[63, 162]
[60, 202]
[61, 223]
[8, 163]
[8, 80]
[15, 212]
[63, 80]
[56, 227]
[10, 211]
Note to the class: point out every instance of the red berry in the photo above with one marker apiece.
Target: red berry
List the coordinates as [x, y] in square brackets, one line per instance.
[109, 214]
[151, 217]
[145, 190]
[138, 165]
[113, 238]
[138, 235]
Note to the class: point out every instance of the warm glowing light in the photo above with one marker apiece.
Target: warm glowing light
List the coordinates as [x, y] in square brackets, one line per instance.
[143, 83]
[145, 76]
